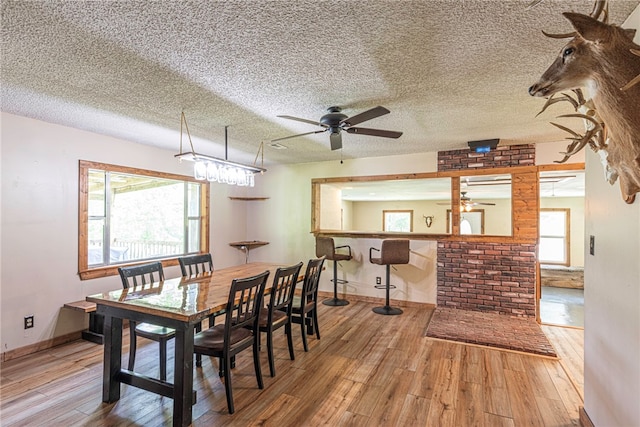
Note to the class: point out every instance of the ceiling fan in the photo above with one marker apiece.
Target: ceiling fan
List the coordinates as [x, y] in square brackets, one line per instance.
[335, 122]
[466, 203]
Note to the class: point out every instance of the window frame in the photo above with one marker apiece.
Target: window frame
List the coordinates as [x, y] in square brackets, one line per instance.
[566, 238]
[84, 270]
[384, 219]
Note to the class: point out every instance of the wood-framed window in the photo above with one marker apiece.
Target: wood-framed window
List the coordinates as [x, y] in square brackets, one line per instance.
[397, 220]
[554, 236]
[129, 215]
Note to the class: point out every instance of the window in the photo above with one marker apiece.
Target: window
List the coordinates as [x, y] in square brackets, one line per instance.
[129, 215]
[554, 236]
[401, 221]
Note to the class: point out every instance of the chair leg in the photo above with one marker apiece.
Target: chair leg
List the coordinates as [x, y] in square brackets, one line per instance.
[287, 331]
[198, 355]
[272, 365]
[335, 301]
[163, 360]
[132, 345]
[387, 309]
[315, 323]
[256, 363]
[303, 325]
[227, 383]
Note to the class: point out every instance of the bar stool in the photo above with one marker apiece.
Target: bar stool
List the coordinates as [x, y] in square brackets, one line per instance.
[393, 251]
[325, 246]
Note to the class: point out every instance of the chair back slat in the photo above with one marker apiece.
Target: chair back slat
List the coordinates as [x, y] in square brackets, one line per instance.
[245, 301]
[141, 274]
[284, 286]
[312, 279]
[195, 264]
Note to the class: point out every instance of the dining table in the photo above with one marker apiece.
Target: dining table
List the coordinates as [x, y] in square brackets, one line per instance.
[181, 304]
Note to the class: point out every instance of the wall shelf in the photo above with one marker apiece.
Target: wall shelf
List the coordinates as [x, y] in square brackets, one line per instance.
[248, 198]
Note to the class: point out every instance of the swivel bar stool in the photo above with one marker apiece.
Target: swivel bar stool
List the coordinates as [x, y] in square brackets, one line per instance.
[325, 246]
[393, 251]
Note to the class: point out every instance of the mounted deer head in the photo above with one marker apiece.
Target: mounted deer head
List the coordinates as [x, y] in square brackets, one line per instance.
[603, 58]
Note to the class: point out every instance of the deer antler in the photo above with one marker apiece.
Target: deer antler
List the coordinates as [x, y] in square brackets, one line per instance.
[594, 136]
[636, 79]
[599, 7]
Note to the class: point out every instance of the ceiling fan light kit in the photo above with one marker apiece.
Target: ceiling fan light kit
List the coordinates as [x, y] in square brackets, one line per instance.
[335, 122]
[214, 169]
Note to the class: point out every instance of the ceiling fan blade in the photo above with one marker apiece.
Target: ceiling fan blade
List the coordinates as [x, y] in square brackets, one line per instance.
[300, 134]
[375, 132]
[485, 204]
[366, 115]
[298, 119]
[336, 140]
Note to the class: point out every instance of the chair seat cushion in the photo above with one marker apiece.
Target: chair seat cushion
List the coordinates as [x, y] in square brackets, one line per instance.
[151, 331]
[278, 317]
[212, 339]
[296, 306]
[376, 261]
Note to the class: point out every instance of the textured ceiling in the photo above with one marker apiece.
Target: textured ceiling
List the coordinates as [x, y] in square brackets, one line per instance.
[449, 71]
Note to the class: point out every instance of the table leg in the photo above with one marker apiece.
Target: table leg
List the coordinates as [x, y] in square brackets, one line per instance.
[183, 377]
[112, 358]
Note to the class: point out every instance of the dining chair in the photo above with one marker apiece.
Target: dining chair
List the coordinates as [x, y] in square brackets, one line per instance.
[240, 329]
[143, 275]
[195, 264]
[278, 313]
[304, 308]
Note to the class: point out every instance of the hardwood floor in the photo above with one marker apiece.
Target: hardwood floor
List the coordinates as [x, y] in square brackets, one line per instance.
[367, 370]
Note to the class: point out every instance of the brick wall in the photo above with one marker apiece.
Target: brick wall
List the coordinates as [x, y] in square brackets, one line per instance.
[498, 277]
[505, 156]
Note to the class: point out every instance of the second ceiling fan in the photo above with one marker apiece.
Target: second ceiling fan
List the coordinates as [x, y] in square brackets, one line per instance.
[335, 122]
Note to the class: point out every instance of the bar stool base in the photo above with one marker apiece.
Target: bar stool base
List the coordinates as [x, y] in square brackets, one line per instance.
[386, 310]
[335, 302]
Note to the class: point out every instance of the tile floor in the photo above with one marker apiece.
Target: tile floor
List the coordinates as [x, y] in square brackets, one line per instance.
[562, 306]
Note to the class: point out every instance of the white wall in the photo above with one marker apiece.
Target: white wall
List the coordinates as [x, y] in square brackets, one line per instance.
[289, 189]
[39, 212]
[612, 297]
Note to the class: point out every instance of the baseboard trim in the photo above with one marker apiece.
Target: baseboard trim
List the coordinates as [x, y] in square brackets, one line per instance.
[39, 346]
[375, 300]
[585, 421]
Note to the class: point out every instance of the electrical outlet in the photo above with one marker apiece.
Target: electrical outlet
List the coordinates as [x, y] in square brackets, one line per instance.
[378, 280]
[28, 322]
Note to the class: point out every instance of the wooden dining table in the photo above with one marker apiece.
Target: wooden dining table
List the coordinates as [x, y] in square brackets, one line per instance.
[180, 304]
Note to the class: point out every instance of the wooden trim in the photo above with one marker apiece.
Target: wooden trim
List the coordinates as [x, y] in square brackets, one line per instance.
[585, 421]
[39, 346]
[524, 201]
[84, 271]
[561, 167]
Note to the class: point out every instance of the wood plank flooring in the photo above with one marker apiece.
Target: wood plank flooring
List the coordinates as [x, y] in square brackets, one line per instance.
[366, 370]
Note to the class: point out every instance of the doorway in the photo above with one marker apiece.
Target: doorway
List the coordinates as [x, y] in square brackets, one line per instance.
[561, 248]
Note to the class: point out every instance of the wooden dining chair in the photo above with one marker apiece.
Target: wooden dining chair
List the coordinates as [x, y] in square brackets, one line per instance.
[195, 264]
[240, 329]
[278, 312]
[143, 275]
[304, 308]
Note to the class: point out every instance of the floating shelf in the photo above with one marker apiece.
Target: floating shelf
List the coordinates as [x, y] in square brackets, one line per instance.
[248, 198]
[247, 245]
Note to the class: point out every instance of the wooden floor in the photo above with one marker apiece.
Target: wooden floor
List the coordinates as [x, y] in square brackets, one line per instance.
[367, 370]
